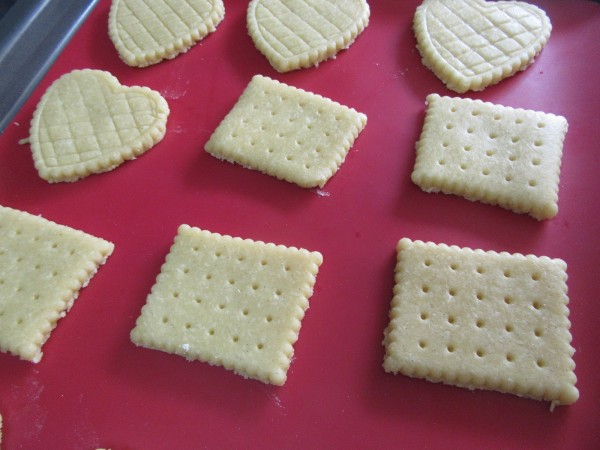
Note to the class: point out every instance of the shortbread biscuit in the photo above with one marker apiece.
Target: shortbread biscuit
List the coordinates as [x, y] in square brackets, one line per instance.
[229, 302]
[43, 266]
[286, 132]
[471, 44]
[491, 153]
[87, 122]
[145, 32]
[482, 320]
[293, 34]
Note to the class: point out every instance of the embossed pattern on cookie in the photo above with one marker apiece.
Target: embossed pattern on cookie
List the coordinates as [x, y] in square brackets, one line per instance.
[87, 122]
[471, 44]
[294, 34]
[146, 32]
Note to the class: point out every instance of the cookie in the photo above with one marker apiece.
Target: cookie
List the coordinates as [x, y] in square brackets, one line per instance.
[295, 34]
[491, 153]
[287, 133]
[230, 302]
[87, 123]
[43, 267]
[472, 44]
[146, 32]
[482, 320]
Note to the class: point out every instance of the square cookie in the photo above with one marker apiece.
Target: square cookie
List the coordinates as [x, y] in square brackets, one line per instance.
[482, 320]
[43, 266]
[491, 153]
[287, 133]
[231, 302]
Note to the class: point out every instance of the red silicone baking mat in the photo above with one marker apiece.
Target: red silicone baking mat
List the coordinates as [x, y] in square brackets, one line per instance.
[94, 388]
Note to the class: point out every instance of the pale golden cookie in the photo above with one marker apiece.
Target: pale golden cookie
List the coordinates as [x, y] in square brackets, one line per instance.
[471, 44]
[145, 32]
[87, 122]
[482, 320]
[43, 267]
[491, 153]
[287, 133]
[293, 34]
[231, 302]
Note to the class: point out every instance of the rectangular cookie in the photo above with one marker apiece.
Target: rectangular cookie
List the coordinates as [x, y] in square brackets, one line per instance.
[43, 266]
[482, 320]
[230, 302]
[491, 153]
[287, 133]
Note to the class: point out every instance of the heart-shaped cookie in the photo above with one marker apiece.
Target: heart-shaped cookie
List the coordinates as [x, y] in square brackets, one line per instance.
[87, 122]
[147, 31]
[471, 44]
[301, 33]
